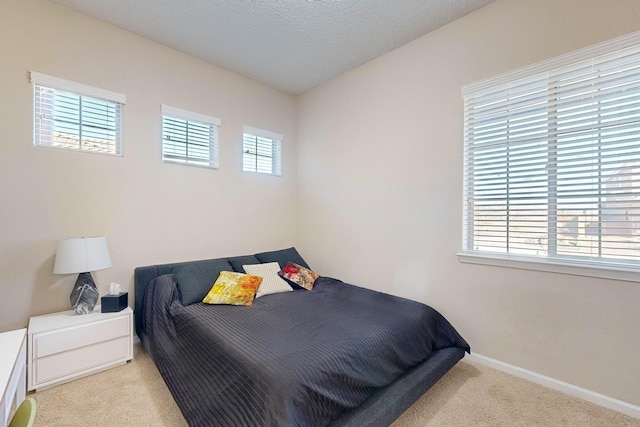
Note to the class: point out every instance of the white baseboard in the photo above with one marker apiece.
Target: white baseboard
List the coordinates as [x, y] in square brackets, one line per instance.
[570, 389]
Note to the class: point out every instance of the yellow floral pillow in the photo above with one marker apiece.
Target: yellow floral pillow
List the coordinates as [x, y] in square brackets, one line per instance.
[233, 288]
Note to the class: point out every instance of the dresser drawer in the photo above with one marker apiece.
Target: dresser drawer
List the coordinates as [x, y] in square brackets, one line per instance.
[49, 343]
[80, 359]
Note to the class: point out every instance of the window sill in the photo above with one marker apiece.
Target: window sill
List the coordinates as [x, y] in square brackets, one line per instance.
[195, 165]
[564, 266]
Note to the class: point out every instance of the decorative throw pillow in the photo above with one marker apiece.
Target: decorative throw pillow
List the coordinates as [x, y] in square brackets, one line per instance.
[233, 288]
[271, 282]
[299, 275]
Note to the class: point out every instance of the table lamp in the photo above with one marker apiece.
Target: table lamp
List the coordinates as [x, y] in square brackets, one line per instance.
[82, 255]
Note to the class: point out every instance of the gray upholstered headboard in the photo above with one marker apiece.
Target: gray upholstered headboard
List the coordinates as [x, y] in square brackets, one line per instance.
[144, 275]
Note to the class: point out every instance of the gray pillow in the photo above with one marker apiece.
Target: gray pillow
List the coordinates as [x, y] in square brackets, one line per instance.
[282, 257]
[196, 278]
[238, 261]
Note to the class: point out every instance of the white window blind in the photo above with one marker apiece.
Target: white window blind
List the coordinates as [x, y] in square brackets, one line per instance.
[74, 116]
[261, 151]
[189, 138]
[552, 159]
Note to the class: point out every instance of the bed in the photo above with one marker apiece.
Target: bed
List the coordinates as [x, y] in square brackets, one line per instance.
[337, 355]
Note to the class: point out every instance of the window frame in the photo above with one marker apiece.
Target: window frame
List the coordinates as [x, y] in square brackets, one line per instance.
[276, 149]
[593, 267]
[84, 93]
[195, 119]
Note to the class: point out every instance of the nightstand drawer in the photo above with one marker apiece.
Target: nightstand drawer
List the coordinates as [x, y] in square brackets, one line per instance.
[80, 359]
[53, 342]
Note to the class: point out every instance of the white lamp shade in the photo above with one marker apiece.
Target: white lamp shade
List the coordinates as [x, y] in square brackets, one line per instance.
[81, 255]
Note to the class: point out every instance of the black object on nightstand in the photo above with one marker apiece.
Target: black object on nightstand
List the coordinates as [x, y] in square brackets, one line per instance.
[114, 303]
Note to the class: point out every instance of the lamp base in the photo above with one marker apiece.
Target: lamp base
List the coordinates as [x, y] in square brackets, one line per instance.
[84, 295]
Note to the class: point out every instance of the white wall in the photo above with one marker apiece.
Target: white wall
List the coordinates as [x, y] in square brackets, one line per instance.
[380, 194]
[150, 212]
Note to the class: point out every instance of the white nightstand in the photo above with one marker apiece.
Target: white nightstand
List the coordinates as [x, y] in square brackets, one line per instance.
[65, 346]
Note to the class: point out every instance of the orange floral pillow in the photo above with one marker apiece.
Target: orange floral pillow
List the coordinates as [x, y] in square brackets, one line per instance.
[233, 288]
[299, 275]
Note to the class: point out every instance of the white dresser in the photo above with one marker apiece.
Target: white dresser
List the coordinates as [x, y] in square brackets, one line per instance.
[13, 366]
[64, 346]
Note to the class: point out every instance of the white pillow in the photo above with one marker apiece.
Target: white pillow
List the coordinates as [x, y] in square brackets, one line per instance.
[271, 282]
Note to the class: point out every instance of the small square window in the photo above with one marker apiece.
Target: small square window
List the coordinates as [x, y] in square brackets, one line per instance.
[261, 151]
[189, 138]
[74, 116]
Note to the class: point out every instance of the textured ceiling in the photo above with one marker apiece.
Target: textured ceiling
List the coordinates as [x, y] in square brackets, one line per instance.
[291, 45]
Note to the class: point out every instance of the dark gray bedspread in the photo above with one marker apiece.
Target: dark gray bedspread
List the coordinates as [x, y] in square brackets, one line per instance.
[292, 359]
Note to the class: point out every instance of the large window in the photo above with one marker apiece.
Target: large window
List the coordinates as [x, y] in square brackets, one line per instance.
[189, 138]
[552, 160]
[261, 151]
[74, 116]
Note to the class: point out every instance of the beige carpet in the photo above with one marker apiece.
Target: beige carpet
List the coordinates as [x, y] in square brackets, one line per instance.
[468, 395]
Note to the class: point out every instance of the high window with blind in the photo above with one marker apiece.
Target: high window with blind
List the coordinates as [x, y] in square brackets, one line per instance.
[552, 160]
[189, 138]
[75, 116]
[261, 151]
